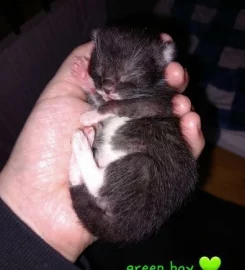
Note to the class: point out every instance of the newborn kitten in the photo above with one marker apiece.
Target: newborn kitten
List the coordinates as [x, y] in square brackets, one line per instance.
[142, 169]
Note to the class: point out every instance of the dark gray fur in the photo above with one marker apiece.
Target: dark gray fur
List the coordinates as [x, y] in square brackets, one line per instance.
[145, 187]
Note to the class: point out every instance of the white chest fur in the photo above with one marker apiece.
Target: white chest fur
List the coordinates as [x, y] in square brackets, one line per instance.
[105, 152]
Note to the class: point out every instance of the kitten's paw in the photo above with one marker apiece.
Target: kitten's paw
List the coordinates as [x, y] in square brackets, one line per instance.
[83, 168]
[80, 71]
[80, 144]
[75, 176]
[90, 118]
[90, 133]
[79, 149]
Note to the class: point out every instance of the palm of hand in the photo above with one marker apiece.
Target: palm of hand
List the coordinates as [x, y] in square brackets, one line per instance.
[41, 160]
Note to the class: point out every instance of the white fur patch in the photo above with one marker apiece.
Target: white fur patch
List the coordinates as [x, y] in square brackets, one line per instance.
[168, 52]
[74, 172]
[83, 168]
[106, 154]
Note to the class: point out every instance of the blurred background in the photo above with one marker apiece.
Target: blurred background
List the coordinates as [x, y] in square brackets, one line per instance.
[37, 35]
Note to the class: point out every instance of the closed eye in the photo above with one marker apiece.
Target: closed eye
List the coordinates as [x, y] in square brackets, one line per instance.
[126, 85]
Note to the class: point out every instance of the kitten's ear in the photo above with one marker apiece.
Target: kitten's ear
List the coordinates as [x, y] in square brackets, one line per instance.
[165, 52]
[168, 51]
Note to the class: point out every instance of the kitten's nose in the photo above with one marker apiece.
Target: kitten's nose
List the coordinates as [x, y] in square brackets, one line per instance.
[109, 89]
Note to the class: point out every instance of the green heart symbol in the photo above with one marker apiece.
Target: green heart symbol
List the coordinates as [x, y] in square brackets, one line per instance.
[207, 264]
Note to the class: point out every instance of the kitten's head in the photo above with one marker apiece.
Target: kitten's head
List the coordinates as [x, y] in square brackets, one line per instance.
[128, 64]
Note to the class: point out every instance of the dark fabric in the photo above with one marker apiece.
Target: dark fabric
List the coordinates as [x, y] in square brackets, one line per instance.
[205, 226]
[214, 50]
[21, 248]
[217, 41]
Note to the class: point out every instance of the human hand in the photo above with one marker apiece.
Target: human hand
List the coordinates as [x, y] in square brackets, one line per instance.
[35, 183]
[178, 78]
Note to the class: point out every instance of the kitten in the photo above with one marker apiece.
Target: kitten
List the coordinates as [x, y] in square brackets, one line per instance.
[141, 168]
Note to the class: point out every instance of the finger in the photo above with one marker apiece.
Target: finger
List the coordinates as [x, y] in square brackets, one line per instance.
[176, 76]
[181, 105]
[84, 50]
[191, 128]
[165, 37]
[64, 82]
